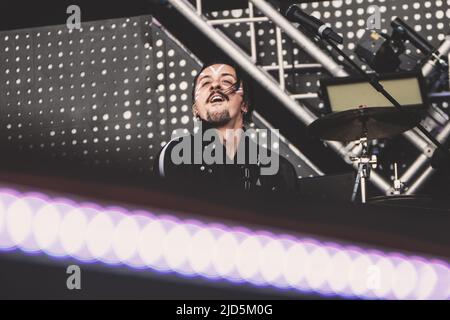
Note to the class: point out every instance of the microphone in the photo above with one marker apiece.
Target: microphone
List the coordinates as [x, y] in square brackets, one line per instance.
[415, 38]
[295, 14]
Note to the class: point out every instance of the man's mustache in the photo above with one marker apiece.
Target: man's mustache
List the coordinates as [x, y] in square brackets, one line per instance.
[233, 88]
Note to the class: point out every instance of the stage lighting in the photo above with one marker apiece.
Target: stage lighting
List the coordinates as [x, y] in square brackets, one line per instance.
[141, 240]
[379, 51]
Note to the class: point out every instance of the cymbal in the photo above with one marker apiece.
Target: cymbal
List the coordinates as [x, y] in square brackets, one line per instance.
[411, 201]
[380, 122]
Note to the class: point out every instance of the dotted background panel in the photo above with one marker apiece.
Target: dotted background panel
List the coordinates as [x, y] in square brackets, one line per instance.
[175, 70]
[81, 95]
[107, 96]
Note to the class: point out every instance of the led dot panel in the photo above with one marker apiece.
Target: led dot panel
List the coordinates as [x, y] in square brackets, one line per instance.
[80, 94]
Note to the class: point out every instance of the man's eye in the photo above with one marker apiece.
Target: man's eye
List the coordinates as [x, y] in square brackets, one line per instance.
[227, 82]
[205, 83]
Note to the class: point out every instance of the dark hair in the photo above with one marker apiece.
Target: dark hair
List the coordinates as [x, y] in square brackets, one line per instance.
[241, 77]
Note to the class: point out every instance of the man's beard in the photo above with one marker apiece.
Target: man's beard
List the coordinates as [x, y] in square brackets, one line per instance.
[218, 117]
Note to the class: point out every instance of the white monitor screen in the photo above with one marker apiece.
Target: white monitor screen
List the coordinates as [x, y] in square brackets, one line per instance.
[350, 96]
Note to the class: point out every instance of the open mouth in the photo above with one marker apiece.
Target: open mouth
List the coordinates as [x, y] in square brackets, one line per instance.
[217, 98]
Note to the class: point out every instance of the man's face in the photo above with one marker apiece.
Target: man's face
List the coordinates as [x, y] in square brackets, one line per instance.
[216, 101]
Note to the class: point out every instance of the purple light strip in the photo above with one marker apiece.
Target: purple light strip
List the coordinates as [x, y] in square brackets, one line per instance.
[33, 222]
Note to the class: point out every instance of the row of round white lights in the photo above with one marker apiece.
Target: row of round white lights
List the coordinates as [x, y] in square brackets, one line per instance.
[33, 222]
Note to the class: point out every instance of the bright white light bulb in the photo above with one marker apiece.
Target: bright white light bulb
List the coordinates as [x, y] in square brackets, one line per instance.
[126, 238]
[441, 291]
[176, 246]
[19, 218]
[150, 245]
[2, 217]
[5, 239]
[386, 275]
[224, 255]
[339, 277]
[359, 275]
[272, 260]
[247, 258]
[46, 225]
[427, 280]
[201, 250]
[405, 279]
[297, 264]
[99, 235]
[320, 268]
[72, 232]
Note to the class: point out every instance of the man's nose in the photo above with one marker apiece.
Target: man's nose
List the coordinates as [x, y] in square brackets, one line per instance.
[215, 85]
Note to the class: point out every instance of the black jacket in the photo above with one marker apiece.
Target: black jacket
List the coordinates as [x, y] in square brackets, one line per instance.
[240, 175]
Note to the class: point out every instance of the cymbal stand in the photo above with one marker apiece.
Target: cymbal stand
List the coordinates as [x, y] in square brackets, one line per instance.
[365, 162]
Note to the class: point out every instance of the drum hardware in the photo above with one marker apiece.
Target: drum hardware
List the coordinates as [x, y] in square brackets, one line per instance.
[382, 119]
[365, 162]
[370, 122]
[398, 185]
[409, 201]
[362, 125]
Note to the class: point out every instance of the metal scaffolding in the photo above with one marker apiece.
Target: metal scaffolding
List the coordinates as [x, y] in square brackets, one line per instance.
[427, 149]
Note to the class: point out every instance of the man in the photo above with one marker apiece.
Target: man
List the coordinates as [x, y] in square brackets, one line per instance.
[221, 152]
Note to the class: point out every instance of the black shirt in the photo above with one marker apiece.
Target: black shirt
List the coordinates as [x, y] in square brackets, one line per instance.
[242, 174]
